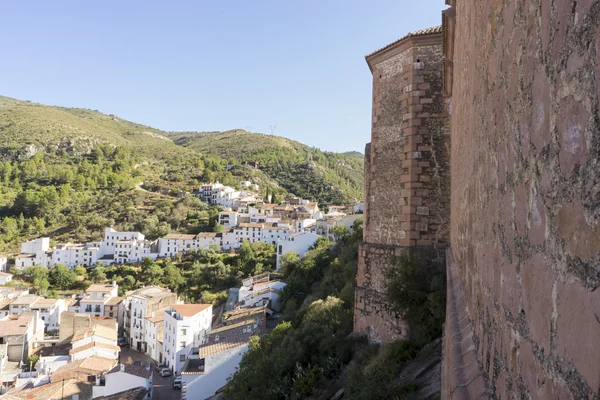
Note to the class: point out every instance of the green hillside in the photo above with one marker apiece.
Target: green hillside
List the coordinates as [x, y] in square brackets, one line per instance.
[26, 126]
[69, 172]
[302, 170]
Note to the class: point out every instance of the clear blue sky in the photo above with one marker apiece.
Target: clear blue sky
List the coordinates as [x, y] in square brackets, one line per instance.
[209, 65]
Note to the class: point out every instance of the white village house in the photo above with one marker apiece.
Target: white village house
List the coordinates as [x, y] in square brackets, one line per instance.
[208, 366]
[185, 326]
[299, 243]
[5, 277]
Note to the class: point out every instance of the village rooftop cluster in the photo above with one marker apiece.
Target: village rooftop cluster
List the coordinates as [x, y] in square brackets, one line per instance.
[293, 225]
[81, 339]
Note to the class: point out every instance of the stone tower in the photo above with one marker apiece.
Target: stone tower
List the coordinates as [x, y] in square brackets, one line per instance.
[406, 173]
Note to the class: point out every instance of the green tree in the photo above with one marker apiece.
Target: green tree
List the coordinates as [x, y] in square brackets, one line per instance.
[218, 228]
[97, 274]
[151, 273]
[172, 277]
[289, 261]
[62, 277]
[418, 291]
[80, 270]
[340, 232]
[128, 281]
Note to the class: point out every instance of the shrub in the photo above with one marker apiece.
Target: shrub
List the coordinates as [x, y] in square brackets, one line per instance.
[417, 290]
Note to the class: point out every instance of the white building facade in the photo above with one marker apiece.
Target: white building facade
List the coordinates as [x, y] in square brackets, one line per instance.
[299, 242]
[185, 326]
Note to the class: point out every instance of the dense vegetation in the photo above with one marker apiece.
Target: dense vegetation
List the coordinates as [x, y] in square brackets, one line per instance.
[200, 276]
[310, 346]
[68, 173]
[311, 353]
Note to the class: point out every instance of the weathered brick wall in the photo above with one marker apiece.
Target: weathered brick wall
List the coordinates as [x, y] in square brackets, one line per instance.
[406, 173]
[407, 193]
[525, 229]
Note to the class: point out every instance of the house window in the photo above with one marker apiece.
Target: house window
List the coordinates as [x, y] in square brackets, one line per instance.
[184, 332]
[182, 357]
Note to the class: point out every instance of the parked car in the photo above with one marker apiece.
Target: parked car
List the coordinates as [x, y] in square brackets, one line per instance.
[160, 367]
[122, 342]
[177, 383]
[165, 372]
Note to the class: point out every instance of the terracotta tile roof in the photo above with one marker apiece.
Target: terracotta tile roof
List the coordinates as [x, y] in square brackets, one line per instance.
[44, 302]
[98, 330]
[25, 255]
[251, 226]
[206, 235]
[240, 317]
[159, 315]
[231, 336]
[272, 227]
[100, 288]
[136, 369]
[4, 304]
[81, 334]
[113, 301]
[420, 32]
[224, 345]
[189, 310]
[94, 344]
[13, 327]
[52, 391]
[26, 299]
[179, 236]
[131, 394]
[157, 297]
[81, 368]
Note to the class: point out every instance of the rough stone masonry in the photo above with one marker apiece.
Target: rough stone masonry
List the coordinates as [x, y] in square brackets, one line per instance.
[522, 84]
[406, 173]
[525, 198]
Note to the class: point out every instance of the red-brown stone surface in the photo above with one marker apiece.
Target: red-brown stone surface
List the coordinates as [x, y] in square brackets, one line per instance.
[525, 167]
[578, 330]
[406, 174]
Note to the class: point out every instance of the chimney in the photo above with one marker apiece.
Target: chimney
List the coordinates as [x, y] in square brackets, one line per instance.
[114, 283]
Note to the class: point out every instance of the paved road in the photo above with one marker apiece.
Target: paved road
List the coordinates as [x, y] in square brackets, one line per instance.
[161, 387]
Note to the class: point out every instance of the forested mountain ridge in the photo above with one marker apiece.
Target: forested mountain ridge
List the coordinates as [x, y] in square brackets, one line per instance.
[305, 171]
[69, 172]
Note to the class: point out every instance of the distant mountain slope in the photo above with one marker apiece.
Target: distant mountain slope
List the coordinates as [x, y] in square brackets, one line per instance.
[300, 169]
[26, 126]
[181, 158]
[70, 172]
[356, 154]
